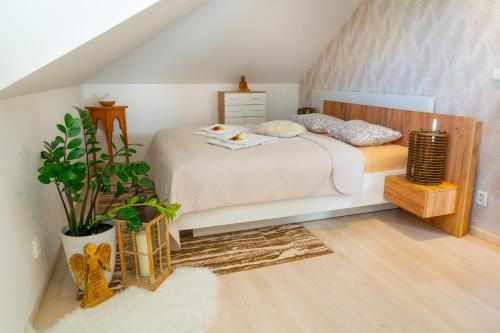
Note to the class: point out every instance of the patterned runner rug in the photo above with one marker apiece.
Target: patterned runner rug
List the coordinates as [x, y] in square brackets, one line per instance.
[248, 249]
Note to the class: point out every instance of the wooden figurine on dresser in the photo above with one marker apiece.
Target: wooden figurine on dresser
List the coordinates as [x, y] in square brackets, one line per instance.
[242, 107]
[243, 84]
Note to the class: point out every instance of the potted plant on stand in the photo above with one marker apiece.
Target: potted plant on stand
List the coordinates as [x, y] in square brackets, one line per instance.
[80, 180]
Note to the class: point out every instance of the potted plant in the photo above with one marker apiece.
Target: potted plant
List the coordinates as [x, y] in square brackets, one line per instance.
[80, 180]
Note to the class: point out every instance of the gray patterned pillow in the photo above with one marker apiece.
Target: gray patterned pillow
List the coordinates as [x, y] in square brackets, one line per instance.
[360, 133]
[317, 122]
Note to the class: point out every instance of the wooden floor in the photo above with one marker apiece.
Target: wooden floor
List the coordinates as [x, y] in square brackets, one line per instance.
[389, 273]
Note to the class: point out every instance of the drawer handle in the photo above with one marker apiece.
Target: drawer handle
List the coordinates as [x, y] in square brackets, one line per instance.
[256, 110]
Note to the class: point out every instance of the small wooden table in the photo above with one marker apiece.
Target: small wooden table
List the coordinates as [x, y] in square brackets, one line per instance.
[107, 116]
[421, 200]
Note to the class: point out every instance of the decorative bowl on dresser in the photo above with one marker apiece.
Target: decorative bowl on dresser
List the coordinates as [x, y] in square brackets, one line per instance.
[242, 108]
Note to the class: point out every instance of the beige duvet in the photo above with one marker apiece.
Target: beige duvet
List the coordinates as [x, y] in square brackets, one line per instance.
[200, 176]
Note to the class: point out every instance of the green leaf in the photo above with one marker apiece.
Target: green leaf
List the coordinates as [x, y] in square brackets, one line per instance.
[44, 179]
[58, 153]
[141, 168]
[146, 182]
[45, 155]
[74, 132]
[94, 150]
[152, 201]
[131, 217]
[59, 139]
[66, 176]
[68, 120]
[61, 128]
[80, 168]
[120, 189]
[95, 162]
[105, 156]
[123, 176]
[92, 142]
[74, 143]
[135, 181]
[76, 153]
[122, 138]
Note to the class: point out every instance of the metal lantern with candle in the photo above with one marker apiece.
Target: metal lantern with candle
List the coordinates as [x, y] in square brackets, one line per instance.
[145, 254]
[427, 150]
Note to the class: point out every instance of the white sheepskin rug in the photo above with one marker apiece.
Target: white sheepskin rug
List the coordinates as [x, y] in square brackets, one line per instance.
[185, 302]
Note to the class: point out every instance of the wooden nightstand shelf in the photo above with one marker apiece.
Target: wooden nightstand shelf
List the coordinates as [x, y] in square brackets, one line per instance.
[423, 201]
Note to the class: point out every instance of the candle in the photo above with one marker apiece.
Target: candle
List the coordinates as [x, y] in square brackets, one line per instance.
[434, 124]
[142, 249]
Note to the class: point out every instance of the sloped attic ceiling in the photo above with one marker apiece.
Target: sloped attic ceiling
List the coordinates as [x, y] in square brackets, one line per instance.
[199, 41]
[81, 62]
[271, 41]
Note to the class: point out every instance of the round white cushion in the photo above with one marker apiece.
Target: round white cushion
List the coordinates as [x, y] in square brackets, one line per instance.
[280, 128]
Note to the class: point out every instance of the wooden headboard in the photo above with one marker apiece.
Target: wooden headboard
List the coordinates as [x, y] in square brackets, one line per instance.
[462, 157]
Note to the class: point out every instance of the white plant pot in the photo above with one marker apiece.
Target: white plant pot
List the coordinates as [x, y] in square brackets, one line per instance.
[74, 245]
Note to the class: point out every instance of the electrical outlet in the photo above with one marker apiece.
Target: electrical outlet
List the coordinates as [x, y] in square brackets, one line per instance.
[36, 247]
[482, 198]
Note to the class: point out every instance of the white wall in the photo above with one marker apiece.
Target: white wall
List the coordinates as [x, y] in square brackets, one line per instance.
[272, 41]
[27, 208]
[156, 106]
[35, 33]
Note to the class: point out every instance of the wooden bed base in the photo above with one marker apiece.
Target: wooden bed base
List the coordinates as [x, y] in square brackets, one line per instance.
[464, 136]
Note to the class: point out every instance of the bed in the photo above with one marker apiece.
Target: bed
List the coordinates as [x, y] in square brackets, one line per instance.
[307, 174]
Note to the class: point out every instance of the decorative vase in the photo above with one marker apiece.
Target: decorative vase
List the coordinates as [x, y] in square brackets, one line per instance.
[74, 245]
[107, 100]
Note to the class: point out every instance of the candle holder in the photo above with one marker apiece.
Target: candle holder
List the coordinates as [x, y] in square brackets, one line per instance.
[145, 254]
[427, 156]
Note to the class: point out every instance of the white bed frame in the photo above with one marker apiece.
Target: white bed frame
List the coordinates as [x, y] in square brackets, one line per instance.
[371, 199]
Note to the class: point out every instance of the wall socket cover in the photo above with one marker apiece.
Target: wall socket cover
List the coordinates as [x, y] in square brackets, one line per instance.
[36, 247]
[482, 198]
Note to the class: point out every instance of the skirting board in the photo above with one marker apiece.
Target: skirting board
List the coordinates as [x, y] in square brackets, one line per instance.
[291, 219]
[486, 235]
[43, 292]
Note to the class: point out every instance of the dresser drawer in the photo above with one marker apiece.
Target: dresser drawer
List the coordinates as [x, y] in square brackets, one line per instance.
[244, 98]
[236, 110]
[245, 110]
[234, 121]
[254, 120]
[255, 110]
[256, 98]
[235, 99]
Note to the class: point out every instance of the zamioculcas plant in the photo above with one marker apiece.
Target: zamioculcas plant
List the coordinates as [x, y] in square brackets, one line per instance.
[79, 179]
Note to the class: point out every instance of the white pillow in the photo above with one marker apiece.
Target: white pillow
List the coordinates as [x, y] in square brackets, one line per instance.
[360, 133]
[280, 128]
[317, 122]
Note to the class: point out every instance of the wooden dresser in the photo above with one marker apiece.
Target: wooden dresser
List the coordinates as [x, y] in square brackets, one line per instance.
[242, 108]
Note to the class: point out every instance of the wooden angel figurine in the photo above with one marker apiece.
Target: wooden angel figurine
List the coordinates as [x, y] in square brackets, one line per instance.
[90, 269]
